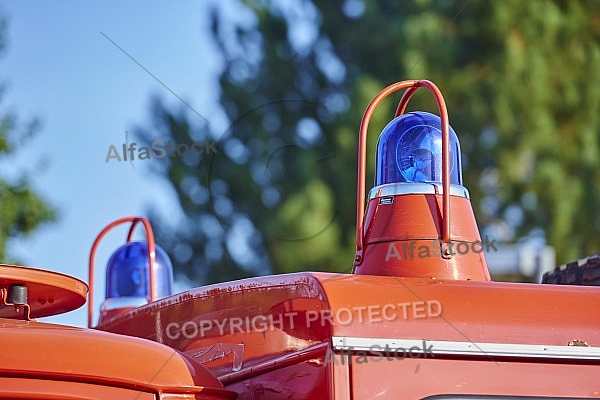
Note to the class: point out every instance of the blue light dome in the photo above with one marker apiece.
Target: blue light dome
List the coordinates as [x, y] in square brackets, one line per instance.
[410, 150]
[127, 272]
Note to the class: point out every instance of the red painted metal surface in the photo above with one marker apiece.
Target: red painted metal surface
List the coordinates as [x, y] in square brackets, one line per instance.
[289, 361]
[54, 353]
[49, 293]
[285, 360]
[403, 239]
[44, 389]
[421, 378]
[494, 312]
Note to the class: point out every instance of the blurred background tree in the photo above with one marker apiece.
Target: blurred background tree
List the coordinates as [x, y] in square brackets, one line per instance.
[520, 80]
[22, 210]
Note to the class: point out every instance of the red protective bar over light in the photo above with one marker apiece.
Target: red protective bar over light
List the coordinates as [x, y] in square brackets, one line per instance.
[151, 257]
[411, 86]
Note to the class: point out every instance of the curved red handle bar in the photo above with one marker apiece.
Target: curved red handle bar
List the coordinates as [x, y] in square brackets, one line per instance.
[411, 87]
[151, 257]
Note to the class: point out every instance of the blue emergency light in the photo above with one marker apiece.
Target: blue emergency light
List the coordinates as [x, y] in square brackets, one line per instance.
[410, 150]
[137, 272]
[127, 272]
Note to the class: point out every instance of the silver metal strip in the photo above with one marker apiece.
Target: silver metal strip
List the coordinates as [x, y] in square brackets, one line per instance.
[391, 189]
[467, 348]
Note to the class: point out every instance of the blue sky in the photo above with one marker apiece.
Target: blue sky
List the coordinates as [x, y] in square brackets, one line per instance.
[88, 93]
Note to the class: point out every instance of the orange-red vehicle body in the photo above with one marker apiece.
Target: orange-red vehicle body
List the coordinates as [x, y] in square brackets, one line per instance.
[308, 319]
[47, 361]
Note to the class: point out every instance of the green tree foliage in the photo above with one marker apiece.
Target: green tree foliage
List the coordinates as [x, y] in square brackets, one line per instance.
[520, 80]
[21, 209]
